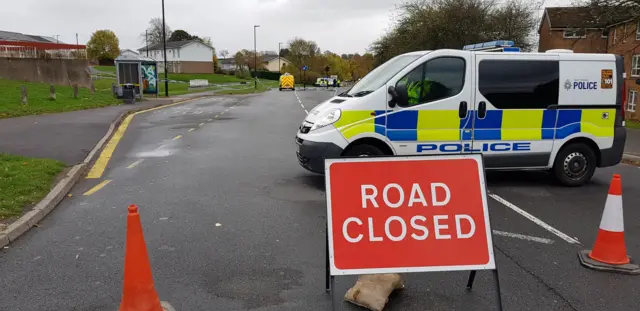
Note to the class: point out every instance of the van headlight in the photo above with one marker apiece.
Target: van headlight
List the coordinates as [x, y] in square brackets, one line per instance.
[329, 118]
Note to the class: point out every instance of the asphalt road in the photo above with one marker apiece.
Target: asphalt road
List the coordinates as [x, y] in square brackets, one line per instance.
[233, 223]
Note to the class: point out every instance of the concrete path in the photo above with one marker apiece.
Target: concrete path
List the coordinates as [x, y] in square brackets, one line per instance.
[632, 145]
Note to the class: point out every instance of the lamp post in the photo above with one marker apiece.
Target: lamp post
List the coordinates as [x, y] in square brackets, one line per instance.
[255, 57]
[164, 46]
[279, 49]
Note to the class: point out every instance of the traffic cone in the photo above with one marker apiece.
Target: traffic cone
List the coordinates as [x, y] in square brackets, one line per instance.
[609, 251]
[138, 292]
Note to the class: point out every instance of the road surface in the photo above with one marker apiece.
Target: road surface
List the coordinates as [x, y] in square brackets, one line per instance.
[232, 222]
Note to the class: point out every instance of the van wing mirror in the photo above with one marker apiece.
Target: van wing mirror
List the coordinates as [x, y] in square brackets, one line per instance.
[392, 91]
[402, 95]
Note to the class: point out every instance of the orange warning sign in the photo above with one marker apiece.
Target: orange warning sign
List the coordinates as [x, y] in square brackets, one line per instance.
[607, 79]
[408, 214]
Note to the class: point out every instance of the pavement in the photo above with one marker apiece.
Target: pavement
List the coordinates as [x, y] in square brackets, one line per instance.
[70, 136]
[232, 222]
[632, 145]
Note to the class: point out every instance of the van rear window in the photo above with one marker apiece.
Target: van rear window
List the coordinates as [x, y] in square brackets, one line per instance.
[519, 84]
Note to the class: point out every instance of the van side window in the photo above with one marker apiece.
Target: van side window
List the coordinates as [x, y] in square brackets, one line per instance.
[519, 84]
[436, 79]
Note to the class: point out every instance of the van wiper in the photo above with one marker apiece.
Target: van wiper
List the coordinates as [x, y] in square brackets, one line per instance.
[362, 93]
[344, 94]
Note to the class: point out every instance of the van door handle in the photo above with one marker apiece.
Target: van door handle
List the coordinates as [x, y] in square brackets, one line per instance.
[482, 110]
[462, 110]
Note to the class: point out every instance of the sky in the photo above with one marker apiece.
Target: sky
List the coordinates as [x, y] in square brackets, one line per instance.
[341, 26]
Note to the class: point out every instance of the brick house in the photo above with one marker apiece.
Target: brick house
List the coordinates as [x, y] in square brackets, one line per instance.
[574, 28]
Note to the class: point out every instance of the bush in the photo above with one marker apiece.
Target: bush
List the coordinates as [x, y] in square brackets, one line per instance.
[243, 74]
[268, 75]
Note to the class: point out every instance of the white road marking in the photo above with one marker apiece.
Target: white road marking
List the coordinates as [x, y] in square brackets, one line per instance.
[134, 164]
[201, 124]
[535, 220]
[218, 224]
[523, 237]
[191, 130]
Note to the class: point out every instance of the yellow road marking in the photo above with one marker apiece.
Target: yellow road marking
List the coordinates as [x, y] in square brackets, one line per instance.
[191, 129]
[134, 164]
[97, 187]
[222, 112]
[217, 115]
[177, 137]
[101, 164]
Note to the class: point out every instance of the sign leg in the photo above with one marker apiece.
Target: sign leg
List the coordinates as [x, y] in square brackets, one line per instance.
[333, 298]
[498, 296]
[472, 277]
[327, 269]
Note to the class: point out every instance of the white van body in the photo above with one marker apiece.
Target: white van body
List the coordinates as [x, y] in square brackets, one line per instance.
[560, 111]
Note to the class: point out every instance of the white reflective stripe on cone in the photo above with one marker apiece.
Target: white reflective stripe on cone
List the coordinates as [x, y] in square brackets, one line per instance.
[612, 218]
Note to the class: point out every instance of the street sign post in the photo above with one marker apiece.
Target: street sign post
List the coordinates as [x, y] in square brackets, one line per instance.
[408, 214]
[304, 79]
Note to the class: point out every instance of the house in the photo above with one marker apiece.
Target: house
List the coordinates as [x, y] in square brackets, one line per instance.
[272, 64]
[575, 28]
[19, 45]
[190, 56]
[227, 64]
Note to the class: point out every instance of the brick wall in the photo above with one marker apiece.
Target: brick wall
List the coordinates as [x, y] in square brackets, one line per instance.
[553, 39]
[627, 45]
[196, 67]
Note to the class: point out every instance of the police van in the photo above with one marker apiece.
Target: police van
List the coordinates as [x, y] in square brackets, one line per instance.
[557, 111]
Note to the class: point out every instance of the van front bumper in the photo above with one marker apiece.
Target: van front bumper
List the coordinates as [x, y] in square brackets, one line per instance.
[311, 154]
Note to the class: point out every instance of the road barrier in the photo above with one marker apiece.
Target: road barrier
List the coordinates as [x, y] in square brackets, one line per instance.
[609, 252]
[138, 291]
[393, 215]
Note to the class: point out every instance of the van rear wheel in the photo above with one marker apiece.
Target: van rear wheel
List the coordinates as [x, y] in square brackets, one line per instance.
[363, 151]
[575, 165]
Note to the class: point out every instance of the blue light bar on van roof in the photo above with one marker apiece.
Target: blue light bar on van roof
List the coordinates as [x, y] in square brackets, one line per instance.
[491, 44]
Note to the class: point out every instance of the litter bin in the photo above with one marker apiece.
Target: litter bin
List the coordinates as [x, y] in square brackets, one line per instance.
[129, 93]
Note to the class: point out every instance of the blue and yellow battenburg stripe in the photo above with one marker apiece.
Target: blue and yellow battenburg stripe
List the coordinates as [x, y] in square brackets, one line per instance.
[445, 125]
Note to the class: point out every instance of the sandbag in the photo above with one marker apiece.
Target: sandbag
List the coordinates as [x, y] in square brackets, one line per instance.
[372, 291]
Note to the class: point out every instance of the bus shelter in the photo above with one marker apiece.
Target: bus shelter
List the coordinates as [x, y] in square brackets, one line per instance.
[138, 72]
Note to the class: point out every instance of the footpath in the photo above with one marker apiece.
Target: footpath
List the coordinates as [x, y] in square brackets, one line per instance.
[69, 136]
[632, 145]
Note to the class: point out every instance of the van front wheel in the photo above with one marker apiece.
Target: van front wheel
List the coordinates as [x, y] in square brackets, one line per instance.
[363, 151]
[575, 165]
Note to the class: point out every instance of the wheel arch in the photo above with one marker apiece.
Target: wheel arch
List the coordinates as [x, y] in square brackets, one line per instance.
[378, 143]
[587, 141]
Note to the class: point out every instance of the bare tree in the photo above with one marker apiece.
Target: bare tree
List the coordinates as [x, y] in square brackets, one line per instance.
[224, 53]
[154, 32]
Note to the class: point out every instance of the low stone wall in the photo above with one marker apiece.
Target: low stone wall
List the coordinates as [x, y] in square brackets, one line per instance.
[56, 71]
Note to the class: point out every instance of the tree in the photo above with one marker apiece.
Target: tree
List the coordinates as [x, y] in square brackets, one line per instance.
[216, 63]
[224, 53]
[437, 24]
[154, 31]
[205, 40]
[103, 46]
[239, 60]
[180, 35]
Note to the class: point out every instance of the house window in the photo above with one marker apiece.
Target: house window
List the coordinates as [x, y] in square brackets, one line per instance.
[605, 33]
[635, 65]
[624, 33]
[615, 34]
[574, 33]
[631, 104]
[178, 53]
[638, 31]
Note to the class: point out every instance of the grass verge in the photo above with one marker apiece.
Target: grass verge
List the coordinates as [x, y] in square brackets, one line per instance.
[632, 124]
[39, 102]
[111, 69]
[24, 181]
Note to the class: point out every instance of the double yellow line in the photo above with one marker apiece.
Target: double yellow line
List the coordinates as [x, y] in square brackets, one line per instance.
[101, 164]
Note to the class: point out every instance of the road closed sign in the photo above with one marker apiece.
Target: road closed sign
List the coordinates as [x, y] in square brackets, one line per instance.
[407, 214]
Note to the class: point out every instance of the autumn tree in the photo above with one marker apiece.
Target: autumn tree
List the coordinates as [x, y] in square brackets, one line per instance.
[154, 31]
[180, 35]
[438, 24]
[103, 46]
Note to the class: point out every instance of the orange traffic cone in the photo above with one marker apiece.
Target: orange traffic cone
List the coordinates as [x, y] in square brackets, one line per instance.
[609, 251]
[138, 292]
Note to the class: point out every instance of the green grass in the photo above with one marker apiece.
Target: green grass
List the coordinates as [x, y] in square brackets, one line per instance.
[632, 124]
[39, 102]
[24, 182]
[111, 69]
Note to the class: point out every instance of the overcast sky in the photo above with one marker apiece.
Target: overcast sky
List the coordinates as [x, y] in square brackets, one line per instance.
[341, 26]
